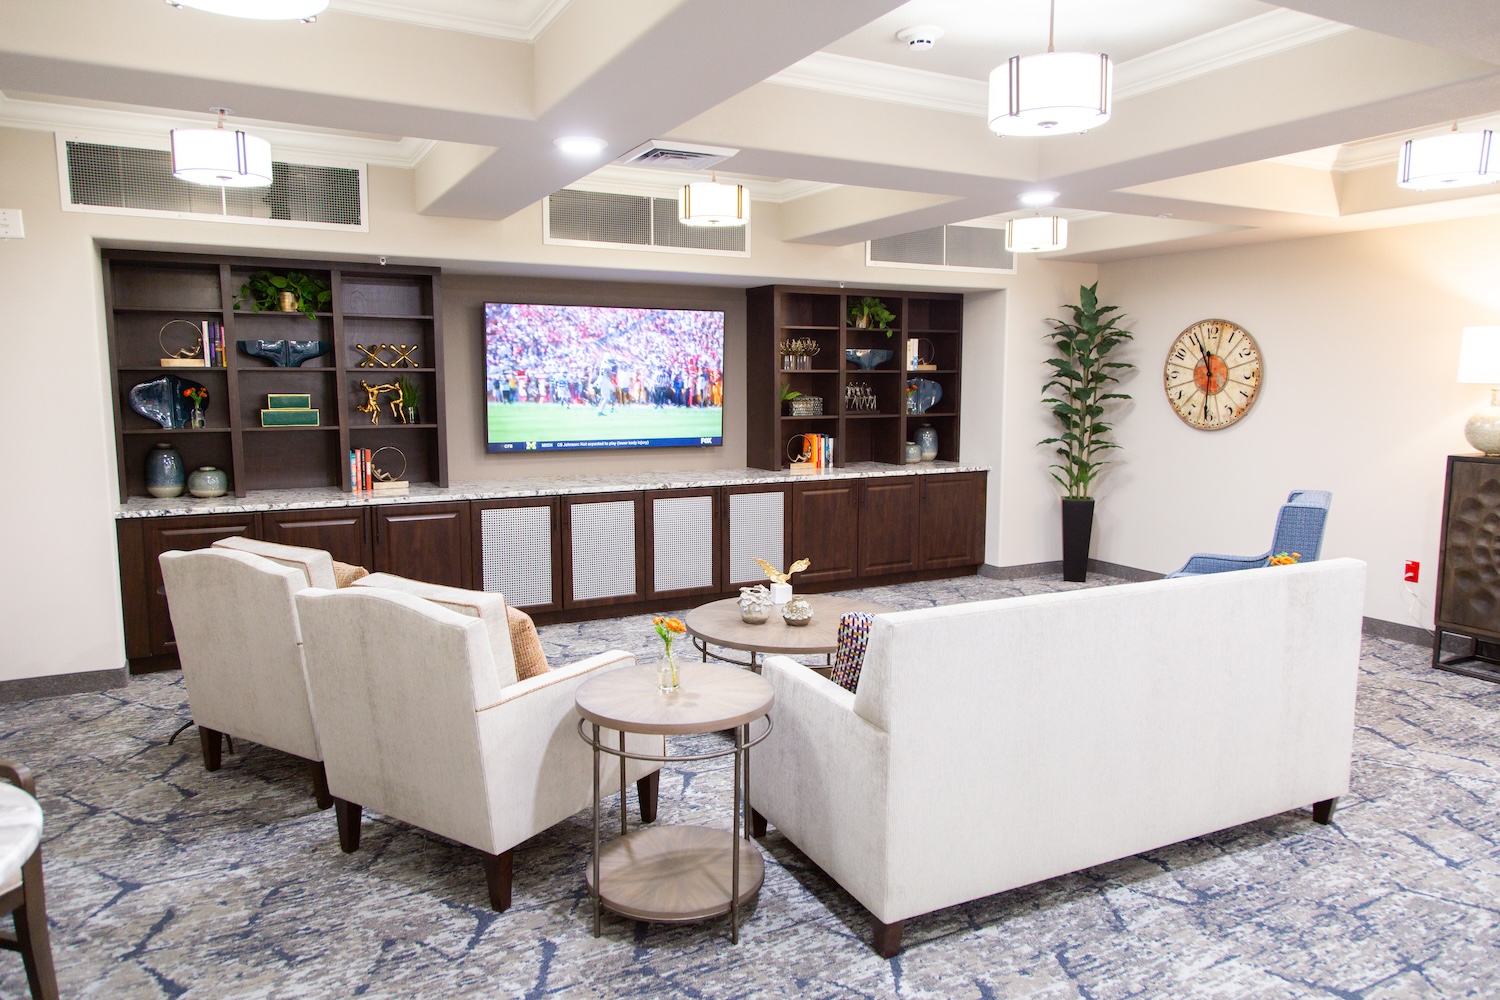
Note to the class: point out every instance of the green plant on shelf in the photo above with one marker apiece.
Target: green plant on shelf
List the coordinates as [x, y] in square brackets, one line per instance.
[788, 393]
[871, 312]
[410, 397]
[263, 290]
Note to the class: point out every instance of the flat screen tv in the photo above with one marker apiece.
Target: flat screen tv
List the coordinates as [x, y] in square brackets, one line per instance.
[564, 377]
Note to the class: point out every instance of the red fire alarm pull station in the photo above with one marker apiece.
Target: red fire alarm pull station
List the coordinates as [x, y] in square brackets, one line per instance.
[1413, 570]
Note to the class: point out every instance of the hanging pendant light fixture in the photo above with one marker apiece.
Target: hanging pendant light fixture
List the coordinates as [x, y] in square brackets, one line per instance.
[219, 157]
[1452, 160]
[1051, 93]
[709, 203]
[260, 10]
[1036, 234]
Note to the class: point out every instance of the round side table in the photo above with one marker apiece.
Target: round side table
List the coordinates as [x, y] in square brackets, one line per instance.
[673, 873]
[718, 623]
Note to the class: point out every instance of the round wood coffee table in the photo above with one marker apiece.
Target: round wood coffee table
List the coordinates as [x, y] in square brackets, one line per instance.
[719, 624]
[675, 874]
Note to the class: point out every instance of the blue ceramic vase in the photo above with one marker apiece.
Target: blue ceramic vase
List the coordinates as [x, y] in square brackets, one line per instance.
[165, 473]
[928, 440]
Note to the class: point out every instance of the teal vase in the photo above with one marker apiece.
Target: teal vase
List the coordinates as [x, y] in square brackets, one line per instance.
[208, 482]
[165, 473]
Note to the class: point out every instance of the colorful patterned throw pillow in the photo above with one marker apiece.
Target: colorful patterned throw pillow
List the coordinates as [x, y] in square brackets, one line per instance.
[854, 635]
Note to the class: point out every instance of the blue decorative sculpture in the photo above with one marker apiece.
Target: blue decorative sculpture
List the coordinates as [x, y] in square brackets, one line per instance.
[285, 353]
[161, 399]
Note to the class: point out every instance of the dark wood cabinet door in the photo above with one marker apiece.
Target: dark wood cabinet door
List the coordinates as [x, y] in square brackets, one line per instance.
[604, 549]
[757, 524]
[167, 534]
[952, 520]
[682, 543]
[342, 532]
[888, 525]
[825, 530]
[1468, 593]
[423, 541]
[518, 551]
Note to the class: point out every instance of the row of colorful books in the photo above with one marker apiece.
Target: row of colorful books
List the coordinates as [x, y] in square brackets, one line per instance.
[817, 453]
[362, 474]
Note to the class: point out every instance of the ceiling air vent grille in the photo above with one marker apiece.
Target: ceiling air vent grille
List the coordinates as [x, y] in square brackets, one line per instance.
[675, 155]
[970, 248]
[137, 181]
[633, 222]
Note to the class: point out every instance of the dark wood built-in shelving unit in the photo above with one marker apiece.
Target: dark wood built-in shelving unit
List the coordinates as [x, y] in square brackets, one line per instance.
[372, 304]
[778, 312]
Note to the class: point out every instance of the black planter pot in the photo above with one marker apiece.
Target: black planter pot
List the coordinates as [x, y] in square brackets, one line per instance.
[1078, 528]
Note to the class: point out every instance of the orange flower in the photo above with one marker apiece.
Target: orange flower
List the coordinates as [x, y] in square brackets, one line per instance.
[658, 620]
[676, 626]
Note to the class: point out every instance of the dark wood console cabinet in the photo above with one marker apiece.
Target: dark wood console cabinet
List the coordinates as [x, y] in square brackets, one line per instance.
[599, 554]
[1468, 588]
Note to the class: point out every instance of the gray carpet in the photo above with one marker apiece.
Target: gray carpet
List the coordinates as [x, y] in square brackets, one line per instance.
[166, 881]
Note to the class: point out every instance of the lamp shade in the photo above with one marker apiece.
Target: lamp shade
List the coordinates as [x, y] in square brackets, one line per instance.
[220, 157]
[709, 203]
[1051, 93]
[1450, 160]
[1479, 356]
[261, 10]
[1036, 234]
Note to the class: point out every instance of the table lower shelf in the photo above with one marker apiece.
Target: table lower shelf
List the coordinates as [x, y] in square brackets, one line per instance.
[675, 874]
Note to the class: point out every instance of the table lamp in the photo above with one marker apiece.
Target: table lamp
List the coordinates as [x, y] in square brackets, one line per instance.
[1479, 363]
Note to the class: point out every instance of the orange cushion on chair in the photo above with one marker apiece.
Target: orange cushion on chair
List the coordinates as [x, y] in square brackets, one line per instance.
[344, 574]
[525, 645]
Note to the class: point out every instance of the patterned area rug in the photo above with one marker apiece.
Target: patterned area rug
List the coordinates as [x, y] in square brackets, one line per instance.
[166, 881]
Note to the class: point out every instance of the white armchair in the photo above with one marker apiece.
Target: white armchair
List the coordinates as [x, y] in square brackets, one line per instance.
[240, 647]
[421, 718]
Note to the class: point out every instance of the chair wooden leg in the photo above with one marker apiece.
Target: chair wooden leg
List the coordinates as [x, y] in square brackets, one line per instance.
[498, 869]
[646, 792]
[32, 940]
[887, 937]
[1323, 811]
[212, 742]
[320, 784]
[757, 824]
[347, 814]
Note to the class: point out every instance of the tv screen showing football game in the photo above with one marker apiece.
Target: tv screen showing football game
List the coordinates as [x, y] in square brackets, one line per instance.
[565, 377]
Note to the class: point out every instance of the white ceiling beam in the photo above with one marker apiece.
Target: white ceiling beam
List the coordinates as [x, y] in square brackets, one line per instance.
[830, 217]
[1466, 27]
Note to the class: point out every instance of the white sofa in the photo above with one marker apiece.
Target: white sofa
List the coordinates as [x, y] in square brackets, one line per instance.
[996, 744]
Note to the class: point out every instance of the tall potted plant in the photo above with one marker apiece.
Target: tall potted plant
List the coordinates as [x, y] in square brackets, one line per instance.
[1082, 375]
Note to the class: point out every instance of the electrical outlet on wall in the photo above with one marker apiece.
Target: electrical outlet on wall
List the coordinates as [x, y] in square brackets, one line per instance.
[1413, 571]
[11, 227]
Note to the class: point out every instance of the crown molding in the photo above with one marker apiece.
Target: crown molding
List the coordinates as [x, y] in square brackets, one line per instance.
[1253, 38]
[151, 131]
[514, 20]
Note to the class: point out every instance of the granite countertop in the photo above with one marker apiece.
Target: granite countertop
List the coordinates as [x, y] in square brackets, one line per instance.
[329, 496]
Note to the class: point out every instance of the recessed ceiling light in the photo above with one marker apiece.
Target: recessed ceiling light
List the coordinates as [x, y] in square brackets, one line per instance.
[1038, 197]
[261, 10]
[920, 38]
[580, 145]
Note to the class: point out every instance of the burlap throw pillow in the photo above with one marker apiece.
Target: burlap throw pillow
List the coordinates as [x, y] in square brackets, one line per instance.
[525, 645]
[345, 574]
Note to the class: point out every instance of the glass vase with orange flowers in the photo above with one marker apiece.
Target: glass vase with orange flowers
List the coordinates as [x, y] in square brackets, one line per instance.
[198, 396]
[666, 667]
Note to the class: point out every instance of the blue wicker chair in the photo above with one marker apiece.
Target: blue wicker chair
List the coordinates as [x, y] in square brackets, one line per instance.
[1299, 528]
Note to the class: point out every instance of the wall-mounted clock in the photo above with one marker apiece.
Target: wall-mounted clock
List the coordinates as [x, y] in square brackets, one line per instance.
[1212, 374]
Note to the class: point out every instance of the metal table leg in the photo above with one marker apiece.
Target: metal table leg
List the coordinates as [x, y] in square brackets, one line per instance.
[734, 843]
[622, 783]
[597, 917]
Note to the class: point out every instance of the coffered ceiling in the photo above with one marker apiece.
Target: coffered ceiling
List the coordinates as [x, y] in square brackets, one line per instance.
[1234, 120]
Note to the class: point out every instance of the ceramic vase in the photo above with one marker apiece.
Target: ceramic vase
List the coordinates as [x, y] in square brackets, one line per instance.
[208, 482]
[927, 440]
[165, 473]
[913, 453]
[755, 605]
[666, 672]
[797, 611]
[1078, 529]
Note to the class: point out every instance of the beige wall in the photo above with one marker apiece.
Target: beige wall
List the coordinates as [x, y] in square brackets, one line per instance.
[463, 344]
[1360, 337]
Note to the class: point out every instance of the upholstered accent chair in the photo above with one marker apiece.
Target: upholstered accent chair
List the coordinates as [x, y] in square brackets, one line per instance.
[21, 891]
[422, 719]
[240, 646]
[1299, 529]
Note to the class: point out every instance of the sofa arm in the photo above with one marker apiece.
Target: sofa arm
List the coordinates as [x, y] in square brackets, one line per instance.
[821, 777]
[563, 675]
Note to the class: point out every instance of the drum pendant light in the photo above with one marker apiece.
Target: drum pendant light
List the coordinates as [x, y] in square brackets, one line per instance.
[1036, 234]
[219, 157]
[709, 203]
[1452, 160]
[1051, 93]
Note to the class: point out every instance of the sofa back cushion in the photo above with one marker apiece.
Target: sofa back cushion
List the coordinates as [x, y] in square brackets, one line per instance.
[316, 565]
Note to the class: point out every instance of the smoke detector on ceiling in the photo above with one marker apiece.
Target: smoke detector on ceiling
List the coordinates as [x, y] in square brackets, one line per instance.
[920, 38]
[675, 155]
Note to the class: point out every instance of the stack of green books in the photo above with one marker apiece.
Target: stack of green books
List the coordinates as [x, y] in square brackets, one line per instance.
[289, 409]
